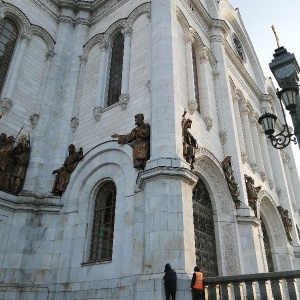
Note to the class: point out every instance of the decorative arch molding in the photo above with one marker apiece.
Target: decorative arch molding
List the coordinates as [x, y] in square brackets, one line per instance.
[267, 206]
[116, 27]
[25, 27]
[96, 39]
[182, 20]
[208, 169]
[140, 10]
[18, 17]
[42, 33]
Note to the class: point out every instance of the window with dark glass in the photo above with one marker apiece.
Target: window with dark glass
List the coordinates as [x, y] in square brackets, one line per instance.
[8, 37]
[103, 223]
[116, 67]
[206, 255]
[267, 245]
[196, 79]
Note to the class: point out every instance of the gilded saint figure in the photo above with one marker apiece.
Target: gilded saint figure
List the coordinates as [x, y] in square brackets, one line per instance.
[64, 173]
[140, 135]
[189, 142]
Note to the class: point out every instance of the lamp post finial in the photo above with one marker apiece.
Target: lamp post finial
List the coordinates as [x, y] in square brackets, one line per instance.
[276, 36]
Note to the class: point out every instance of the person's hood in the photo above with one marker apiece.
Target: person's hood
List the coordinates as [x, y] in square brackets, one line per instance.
[168, 267]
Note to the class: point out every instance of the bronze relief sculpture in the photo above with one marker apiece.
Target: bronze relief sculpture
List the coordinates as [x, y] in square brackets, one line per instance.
[287, 222]
[232, 184]
[188, 141]
[13, 162]
[64, 173]
[141, 136]
[252, 193]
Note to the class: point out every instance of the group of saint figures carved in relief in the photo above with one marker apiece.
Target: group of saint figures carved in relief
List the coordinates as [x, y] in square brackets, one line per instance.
[14, 160]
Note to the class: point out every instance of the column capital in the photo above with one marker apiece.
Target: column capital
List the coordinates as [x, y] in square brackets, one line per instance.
[284, 156]
[245, 107]
[83, 59]
[25, 38]
[127, 31]
[49, 55]
[204, 55]
[104, 46]
[189, 38]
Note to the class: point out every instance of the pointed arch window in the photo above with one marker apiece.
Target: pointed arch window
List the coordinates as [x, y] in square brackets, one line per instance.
[8, 36]
[116, 68]
[103, 223]
[206, 255]
[196, 82]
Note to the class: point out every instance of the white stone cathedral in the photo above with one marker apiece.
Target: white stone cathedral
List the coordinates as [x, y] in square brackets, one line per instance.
[77, 72]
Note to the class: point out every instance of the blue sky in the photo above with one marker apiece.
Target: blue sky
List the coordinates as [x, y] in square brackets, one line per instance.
[258, 17]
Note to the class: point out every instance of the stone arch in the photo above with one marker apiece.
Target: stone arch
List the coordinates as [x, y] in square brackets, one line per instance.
[272, 220]
[109, 153]
[18, 17]
[140, 10]
[208, 168]
[265, 203]
[96, 39]
[182, 20]
[42, 33]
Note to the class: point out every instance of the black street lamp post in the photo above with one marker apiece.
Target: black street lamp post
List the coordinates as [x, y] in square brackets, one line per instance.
[285, 69]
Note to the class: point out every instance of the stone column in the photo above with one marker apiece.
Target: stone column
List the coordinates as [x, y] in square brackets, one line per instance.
[124, 97]
[205, 93]
[285, 160]
[193, 105]
[248, 137]
[100, 103]
[222, 132]
[166, 138]
[266, 157]
[15, 67]
[238, 123]
[294, 176]
[257, 147]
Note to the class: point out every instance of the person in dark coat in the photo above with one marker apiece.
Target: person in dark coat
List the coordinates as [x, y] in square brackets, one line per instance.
[170, 280]
[197, 284]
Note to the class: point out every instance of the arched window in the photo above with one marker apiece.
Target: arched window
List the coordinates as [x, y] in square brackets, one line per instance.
[8, 37]
[103, 223]
[206, 256]
[196, 82]
[116, 67]
[267, 247]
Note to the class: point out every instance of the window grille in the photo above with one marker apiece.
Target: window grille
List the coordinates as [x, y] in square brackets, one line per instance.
[196, 84]
[206, 256]
[8, 37]
[116, 68]
[103, 223]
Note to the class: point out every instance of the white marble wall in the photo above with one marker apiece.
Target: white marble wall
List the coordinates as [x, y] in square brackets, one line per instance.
[44, 240]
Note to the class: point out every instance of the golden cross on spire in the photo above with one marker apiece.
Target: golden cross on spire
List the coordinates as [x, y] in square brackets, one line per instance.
[276, 36]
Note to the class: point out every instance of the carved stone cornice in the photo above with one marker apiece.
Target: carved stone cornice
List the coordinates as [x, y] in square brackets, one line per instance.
[82, 21]
[165, 172]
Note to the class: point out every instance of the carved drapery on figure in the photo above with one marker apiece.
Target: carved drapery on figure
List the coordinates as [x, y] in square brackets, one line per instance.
[188, 141]
[252, 193]
[13, 163]
[141, 136]
[64, 173]
[287, 223]
[232, 184]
